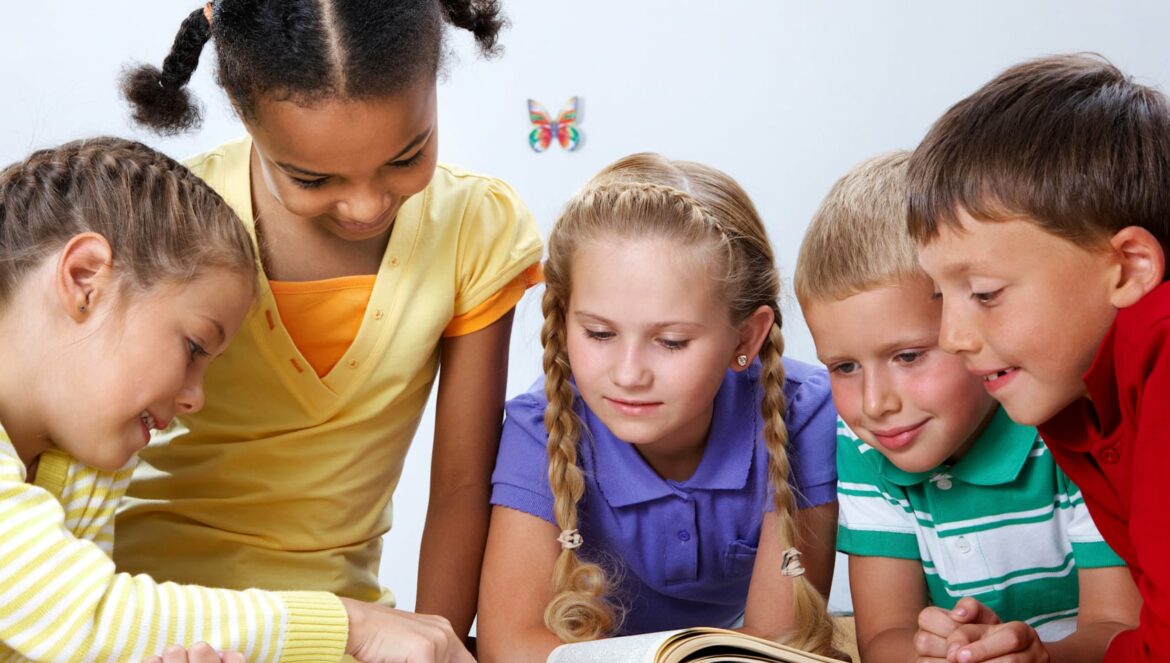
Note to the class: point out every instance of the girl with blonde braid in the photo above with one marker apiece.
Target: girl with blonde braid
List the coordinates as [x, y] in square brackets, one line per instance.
[671, 469]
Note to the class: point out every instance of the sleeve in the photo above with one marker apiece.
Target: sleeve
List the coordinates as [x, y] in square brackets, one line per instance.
[496, 306]
[1149, 523]
[812, 424]
[875, 518]
[520, 480]
[1088, 546]
[498, 241]
[61, 600]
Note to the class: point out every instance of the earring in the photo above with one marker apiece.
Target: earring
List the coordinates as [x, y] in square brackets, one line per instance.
[81, 308]
[741, 360]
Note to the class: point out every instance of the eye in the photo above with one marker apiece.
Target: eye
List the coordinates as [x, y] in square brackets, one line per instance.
[909, 356]
[598, 335]
[843, 368]
[407, 163]
[674, 345]
[308, 184]
[195, 350]
[986, 298]
[936, 295]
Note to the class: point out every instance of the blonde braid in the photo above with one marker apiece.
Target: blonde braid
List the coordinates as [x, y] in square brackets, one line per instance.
[813, 630]
[578, 610]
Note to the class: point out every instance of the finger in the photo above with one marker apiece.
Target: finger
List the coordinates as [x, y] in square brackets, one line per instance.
[930, 645]
[152, 659]
[174, 654]
[937, 621]
[1010, 638]
[232, 657]
[972, 611]
[201, 652]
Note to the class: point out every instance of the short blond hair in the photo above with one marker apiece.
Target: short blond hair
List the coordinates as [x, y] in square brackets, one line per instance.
[858, 238]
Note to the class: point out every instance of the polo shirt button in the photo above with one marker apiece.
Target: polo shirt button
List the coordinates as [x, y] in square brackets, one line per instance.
[684, 535]
[963, 545]
[378, 314]
[944, 484]
[353, 363]
[393, 261]
[1110, 455]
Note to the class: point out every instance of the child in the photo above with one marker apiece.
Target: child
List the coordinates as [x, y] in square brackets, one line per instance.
[121, 276]
[378, 267]
[958, 500]
[1040, 205]
[665, 438]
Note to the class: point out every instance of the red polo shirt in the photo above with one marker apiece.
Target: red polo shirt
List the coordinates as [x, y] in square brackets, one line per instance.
[1114, 445]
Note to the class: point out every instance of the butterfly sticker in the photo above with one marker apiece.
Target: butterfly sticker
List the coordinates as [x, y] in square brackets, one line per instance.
[564, 128]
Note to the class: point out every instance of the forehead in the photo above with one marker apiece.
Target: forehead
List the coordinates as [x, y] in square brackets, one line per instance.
[646, 280]
[339, 136]
[873, 318]
[982, 247]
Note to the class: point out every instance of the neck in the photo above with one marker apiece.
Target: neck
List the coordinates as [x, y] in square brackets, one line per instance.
[22, 332]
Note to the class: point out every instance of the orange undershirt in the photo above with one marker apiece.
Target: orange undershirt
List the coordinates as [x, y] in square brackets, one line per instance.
[323, 317]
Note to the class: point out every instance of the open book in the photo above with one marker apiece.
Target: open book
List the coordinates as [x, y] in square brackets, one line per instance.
[692, 645]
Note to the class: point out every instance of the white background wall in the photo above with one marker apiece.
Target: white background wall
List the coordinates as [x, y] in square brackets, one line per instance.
[783, 95]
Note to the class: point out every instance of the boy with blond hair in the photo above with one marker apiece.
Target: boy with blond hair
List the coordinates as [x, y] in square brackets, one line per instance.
[941, 495]
[1041, 206]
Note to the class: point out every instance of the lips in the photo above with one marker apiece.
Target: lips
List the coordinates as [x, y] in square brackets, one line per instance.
[897, 438]
[996, 380]
[633, 408]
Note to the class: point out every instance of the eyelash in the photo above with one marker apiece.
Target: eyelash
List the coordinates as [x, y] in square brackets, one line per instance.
[910, 356]
[405, 163]
[195, 350]
[986, 298]
[670, 345]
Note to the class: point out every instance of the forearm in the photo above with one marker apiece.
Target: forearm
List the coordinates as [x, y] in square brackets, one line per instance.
[528, 645]
[895, 645]
[1087, 644]
[451, 555]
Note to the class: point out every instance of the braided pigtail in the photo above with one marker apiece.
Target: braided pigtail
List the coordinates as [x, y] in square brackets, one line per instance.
[160, 98]
[813, 630]
[578, 610]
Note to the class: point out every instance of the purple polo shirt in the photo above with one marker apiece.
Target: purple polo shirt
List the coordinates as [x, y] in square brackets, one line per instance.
[682, 551]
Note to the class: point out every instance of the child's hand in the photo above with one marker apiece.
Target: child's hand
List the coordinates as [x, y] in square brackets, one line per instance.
[200, 652]
[936, 625]
[378, 634]
[981, 642]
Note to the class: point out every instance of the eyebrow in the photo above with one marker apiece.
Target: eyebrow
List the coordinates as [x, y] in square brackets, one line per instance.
[415, 142]
[220, 333]
[655, 325]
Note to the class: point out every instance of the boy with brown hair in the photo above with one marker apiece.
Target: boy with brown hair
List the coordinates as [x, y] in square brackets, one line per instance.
[941, 495]
[1041, 206]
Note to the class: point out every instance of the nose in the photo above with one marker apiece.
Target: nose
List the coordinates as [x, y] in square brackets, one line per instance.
[190, 397]
[364, 202]
[630, 371]
[955, 334]
[878, 398]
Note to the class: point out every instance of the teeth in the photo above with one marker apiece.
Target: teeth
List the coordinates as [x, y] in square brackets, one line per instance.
[996, 376]
[147, 419]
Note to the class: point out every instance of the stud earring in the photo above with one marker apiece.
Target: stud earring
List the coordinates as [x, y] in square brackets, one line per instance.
[741, 360]
[81, 308]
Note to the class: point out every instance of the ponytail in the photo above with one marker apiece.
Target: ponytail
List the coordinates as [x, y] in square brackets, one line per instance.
[481, 18]
[160, 99]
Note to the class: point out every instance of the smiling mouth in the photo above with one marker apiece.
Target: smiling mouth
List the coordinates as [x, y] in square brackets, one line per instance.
[148, 420]
[992, 377]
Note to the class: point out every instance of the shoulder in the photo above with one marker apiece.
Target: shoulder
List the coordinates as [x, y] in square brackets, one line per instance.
[1146, 323]
[808, 395]
[230, 158]
[454, 188]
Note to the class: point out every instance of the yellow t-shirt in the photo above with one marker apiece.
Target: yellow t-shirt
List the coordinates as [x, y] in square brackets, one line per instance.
[285, 479]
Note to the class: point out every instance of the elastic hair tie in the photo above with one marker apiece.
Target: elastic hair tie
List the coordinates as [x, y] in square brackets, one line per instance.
[790, 563]
[570, 539]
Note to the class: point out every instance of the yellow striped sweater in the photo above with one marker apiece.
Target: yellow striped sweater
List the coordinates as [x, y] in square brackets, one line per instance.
[61, 600]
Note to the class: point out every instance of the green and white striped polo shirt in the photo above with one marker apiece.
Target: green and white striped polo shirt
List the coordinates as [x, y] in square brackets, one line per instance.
[1004, 524]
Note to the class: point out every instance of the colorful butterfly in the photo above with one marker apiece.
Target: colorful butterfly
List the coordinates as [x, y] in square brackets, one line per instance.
[562, 129]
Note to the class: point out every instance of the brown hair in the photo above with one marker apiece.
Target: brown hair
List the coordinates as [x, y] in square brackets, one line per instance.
[639, 196]
[857, 239]
[163, 223]
[1068, 141]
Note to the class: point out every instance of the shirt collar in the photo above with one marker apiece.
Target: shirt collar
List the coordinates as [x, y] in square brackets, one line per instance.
[625, 478]
[996, 457]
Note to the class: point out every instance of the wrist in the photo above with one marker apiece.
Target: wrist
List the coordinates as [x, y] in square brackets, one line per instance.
[355, 613]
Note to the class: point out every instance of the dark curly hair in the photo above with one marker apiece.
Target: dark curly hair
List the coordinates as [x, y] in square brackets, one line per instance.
[305, 51]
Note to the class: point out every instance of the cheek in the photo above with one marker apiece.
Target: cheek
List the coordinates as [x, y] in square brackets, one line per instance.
[846, 397]
[948, 388]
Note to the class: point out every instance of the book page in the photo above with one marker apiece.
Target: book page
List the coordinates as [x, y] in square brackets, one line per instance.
[626, 649]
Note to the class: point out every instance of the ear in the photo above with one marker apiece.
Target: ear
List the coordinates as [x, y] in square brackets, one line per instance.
[83, 274]
[752, 333]
[1142, 264]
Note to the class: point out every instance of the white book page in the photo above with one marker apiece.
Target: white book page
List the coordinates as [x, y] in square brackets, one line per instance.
[626, 649]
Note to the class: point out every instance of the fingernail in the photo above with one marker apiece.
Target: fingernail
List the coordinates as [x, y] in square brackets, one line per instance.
[960, 612]
[951, 650]
[965, 656]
